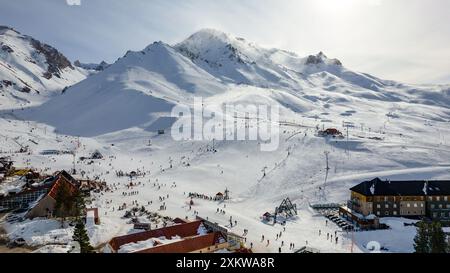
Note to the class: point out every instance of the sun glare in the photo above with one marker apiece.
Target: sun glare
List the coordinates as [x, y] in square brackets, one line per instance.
[338, 6]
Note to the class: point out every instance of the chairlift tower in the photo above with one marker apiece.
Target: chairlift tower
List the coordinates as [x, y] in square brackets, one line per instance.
[227, 194]
[286, 207]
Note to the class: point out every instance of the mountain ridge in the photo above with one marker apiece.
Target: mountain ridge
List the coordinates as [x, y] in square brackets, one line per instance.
[32, 71]
[215, 66]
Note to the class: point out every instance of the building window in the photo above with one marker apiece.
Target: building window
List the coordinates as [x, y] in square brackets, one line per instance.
[432, 206]
[442, 214]
[421, 205]
[395, 212]
[378, 206]
[434, 214]
[378, 212]
[395, 206]
[415, 205]
[445, 198]
[408, 205]
[438, 198]
[385, 199]
[430, 198]
[386, 212]
[440, 206]
[386, 206]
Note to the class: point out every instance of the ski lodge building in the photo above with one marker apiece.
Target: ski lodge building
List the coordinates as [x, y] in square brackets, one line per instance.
[199, 236]
[40, 200]
[186, 237]
[413, 199]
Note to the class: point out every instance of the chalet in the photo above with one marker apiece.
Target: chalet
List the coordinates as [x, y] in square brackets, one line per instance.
[40, 200]
[96, 155]
[267, 216]
[414, 198]
[219, 196]
[187, 237]
[333, 132]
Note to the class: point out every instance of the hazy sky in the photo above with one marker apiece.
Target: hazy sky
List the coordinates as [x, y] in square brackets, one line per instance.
[404, 40]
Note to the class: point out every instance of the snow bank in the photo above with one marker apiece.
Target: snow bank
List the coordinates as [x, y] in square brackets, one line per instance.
[39, 232]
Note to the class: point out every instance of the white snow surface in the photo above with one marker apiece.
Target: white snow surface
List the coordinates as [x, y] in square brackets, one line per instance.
[399, 131]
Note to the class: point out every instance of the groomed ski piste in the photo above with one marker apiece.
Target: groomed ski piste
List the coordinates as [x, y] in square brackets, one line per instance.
[391, 131]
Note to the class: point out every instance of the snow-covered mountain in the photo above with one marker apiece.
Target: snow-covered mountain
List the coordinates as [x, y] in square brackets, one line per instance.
[393, 131]
[142, 87]
[92, 66]
[31, 71]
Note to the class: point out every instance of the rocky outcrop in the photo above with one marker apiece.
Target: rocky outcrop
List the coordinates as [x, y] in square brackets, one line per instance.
[55, 60]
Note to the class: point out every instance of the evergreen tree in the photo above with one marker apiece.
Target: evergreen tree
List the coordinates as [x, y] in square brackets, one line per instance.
[79, 205]
[80, 235]
[63, 201]
[421, 241]
[438, 242]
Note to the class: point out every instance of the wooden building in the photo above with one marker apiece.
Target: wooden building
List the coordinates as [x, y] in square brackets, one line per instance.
[413, 198]
[40, 200]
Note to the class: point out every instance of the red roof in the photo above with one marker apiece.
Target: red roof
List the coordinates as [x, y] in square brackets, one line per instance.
[182, 230]
[188, 245]
[59, 181]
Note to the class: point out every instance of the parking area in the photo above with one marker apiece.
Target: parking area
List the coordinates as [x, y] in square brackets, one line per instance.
[331, 212]
[339, 221]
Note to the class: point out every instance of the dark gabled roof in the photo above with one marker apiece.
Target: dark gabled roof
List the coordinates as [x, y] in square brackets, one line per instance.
[378, 187]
